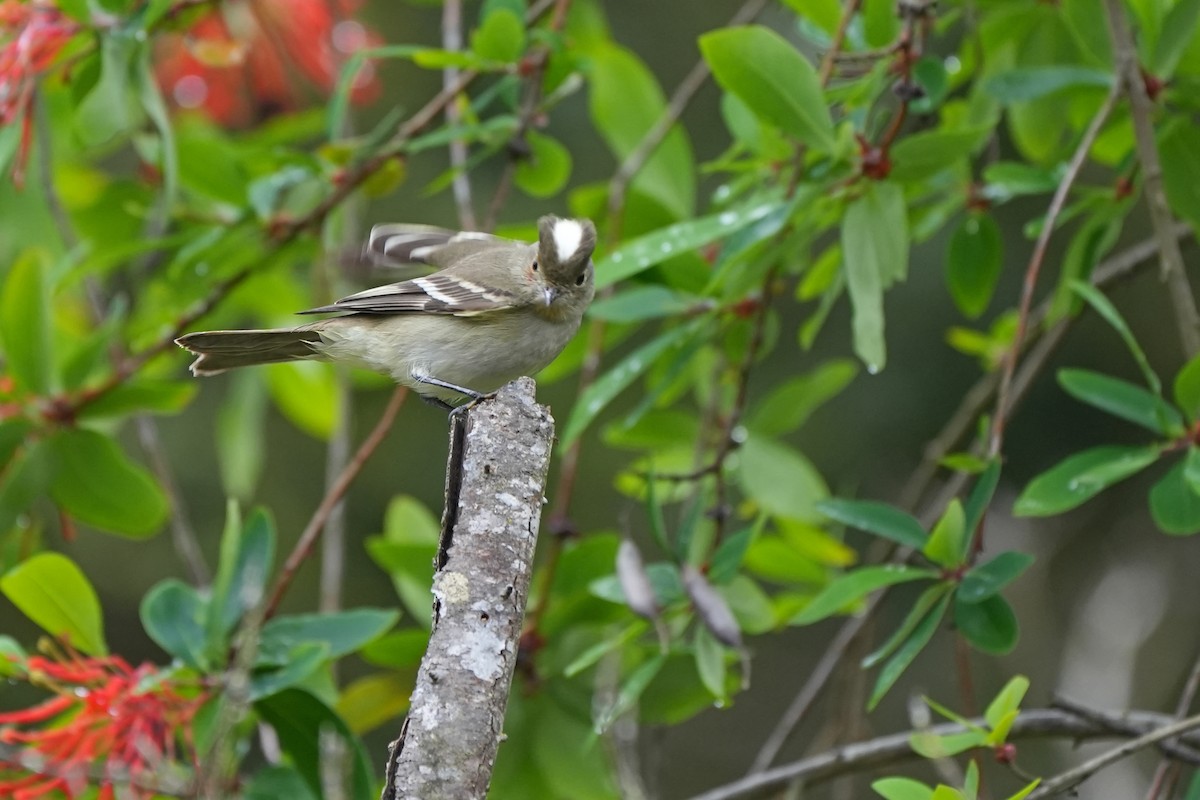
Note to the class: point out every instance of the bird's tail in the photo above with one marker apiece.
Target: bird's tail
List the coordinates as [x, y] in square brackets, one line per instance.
[222, 350]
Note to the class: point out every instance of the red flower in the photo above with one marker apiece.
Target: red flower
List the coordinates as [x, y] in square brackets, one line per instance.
[237, 63]
[31, 36]
[106, 723]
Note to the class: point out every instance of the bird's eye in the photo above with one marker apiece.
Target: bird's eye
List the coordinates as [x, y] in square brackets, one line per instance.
[579, 280]
[535, 266]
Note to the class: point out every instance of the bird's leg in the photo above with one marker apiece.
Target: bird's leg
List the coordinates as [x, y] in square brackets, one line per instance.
[472, 395]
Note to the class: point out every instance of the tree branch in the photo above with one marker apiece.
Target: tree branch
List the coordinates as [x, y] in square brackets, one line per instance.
[495, 487]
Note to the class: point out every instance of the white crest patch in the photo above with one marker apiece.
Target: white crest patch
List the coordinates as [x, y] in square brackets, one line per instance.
[568, 235]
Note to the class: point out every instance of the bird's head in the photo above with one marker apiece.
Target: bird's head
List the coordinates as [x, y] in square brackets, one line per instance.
[564, 259]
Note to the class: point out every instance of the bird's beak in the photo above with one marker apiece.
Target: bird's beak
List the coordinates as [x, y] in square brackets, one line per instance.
[549, 293]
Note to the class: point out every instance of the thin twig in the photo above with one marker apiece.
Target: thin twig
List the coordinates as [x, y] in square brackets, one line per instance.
[1073, 777]
[1141, 109]
[183, 534]
[885, 750]
[1182, 706]
[452, 42]
[1057, 202]
[312, 531]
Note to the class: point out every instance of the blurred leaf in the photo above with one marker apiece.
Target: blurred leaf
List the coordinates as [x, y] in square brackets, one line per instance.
[372, 700]
[945, 543]
[1122, 399]
[1080, 477]
[710, 663]
[990, 626]
[1187, 388]
[1178, 30]
[1008, 179]
[1007, 700]
[773, 558]
[23, 480]
[973, 263]
[55, 594]
[597, 396]
[789, 405]
[306, 393]
[151, 99]
[240, 434]
[664, 577]
[1174, 503]
[1104, 307]
[25, 322]
[95, 483]
[402, 648]
[602, 648]
[904, 655]
[979, 500]
[301, 663]
[930, 745]
[902, 789]
[173, 615]
[726, 560]
[854, 586]
[141, 396]
[879, 519]
[921, 155]
[12, 655]
[920, 609]
[547, 168]
[12, 436]
[247, 556]
[1023, 84]
[625, 103]
[501, 37]
[631, 689]
[780, 479]
[875, 248]
[272, 783]
[298, 719]
[341, 632]
[108, 110]
[644, 302]
[773, 79]
[406, 550]
[653, 248]
[1090, 243]
[1179, 149]
[985, 580]
[563, 748]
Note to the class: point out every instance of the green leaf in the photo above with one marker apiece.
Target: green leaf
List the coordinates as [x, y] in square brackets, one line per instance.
[631, 689]
[644, 252]
[931, 745]
[406, 550]
[296, 667]
[710, 664]
[299, 718]
[894, 668]
[780, 479]
[854, 586]
[372, 700]
[95, 483]
[501, 37]
[23, 480]
[727, 558]
[1104, 307]
[12, 657]
[1187, 388]
[1025, 792]
[173, 615]
[109, 109]
[240, 434]
[247, 554]
[1179, 149]
[144, 396]
[875, 252]
[306, 393]
[1007, 700]
[921, 155]
[12, 436]
[273, 783]
[625, 103]
[1174, 503]
[53, 592]
[645, 302]
[789, 405]
[771, 77]
[597, 396]
[341, 632]
[880, 519]
[973, 263]
[546, 169]
[902, 789]
[25, 322]
[402, 648]
[597, 651]
[1030, 83]
[1080, 477]
[987, 579]
[979, 500]
[1178, 30]
[1009, 179]
[945, 544]
[1122, 399]
[989, 626]
[928, 599]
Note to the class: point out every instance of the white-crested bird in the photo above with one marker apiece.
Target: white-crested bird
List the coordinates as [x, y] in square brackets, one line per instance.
[495, 310]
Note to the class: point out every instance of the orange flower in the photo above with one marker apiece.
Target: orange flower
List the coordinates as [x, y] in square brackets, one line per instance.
[105, 723]
[237, 63]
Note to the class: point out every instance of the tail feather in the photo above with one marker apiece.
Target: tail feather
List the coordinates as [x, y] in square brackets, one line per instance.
[222, 350]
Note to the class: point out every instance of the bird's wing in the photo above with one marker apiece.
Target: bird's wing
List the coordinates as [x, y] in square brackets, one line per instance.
[424, 244]
[441, 293]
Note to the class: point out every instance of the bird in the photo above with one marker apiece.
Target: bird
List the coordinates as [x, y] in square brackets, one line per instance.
[494, 310]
